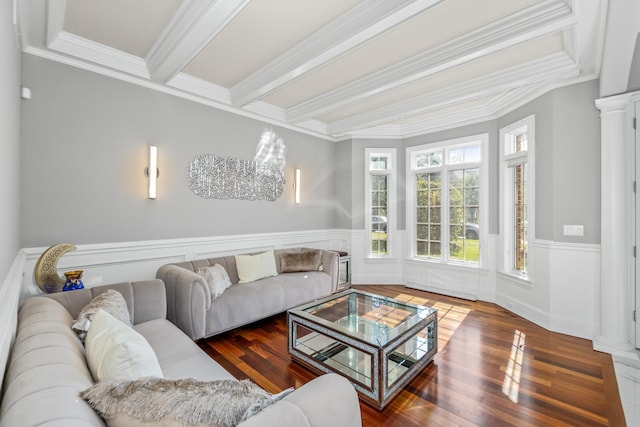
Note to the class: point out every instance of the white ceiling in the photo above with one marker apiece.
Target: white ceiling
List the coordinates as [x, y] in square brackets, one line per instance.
[332, 68]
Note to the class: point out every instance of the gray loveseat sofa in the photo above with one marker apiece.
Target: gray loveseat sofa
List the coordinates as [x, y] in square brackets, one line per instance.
[191, 307]
[47, 367]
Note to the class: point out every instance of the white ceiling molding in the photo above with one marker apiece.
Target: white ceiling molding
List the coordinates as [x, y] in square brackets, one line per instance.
[195, 23]
[623, 26]
[79, 47]
[200, 87]
[539, 20]
[558, 65]
[55, 19]
[480, 68]
[368, 19]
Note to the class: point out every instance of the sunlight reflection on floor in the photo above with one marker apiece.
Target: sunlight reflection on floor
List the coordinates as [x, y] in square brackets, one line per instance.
[511, 383]
[449, 316]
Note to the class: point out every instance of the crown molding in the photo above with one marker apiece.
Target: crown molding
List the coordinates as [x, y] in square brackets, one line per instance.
[199, 87]
[195, 23]
[363, 22]
[542, 19]
[88, 50]
[555, 66]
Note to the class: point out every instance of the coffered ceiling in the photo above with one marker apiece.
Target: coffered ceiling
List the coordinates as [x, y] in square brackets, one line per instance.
[333, 68]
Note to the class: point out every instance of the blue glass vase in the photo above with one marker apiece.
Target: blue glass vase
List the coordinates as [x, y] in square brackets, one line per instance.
[73, 281]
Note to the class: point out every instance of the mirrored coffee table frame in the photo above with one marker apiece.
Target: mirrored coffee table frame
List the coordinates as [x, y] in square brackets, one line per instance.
[376, 342]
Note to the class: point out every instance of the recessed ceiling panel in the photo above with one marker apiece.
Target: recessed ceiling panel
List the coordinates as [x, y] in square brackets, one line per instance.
[502, 60]
[443, 22]
[261, 32]
[126, 25]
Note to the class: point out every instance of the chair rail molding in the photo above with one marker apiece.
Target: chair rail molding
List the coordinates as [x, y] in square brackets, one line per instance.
[126, 261]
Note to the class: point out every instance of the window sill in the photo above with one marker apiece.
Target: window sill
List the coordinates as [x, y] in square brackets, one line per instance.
[517, 279]
[372, 258]
[450, 265]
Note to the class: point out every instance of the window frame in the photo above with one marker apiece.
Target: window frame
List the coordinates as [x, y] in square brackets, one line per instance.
[390, 172]
[412, 170]
[508, 160]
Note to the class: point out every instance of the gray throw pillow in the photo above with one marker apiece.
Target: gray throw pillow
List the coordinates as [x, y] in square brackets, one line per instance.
[217, 278]
[300, 261]
[110, 301]
[223, 403]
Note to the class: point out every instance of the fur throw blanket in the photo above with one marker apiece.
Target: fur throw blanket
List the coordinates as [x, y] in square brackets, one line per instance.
[222, 403]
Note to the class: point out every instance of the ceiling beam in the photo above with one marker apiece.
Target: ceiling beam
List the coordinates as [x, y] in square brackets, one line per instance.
[195, 23]
[366, 20]
[552, 67]
[544, 18]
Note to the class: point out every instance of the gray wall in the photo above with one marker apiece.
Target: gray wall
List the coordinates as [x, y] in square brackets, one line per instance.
[634, 74]
[84, 150]
[567, 161]
[342, 185]
[9, 139]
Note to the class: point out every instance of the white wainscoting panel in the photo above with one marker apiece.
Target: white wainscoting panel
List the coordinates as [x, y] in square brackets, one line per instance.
[562, 293]
[574, 289]
[9, 296]
[367, 270]
[128, 261]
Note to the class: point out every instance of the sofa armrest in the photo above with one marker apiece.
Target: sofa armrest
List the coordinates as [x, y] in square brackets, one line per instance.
[328, 401]
[188, 299]
[331, 266]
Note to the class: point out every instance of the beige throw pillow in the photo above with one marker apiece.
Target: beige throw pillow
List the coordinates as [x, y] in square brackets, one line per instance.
[110, 301]
[182, 402]
[115, 351]
[300, 261]
[217, 279]
[254, 267]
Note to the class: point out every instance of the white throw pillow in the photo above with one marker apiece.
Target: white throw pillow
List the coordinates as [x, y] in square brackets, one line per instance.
[217, 278]
[115, 351]
[254, 267]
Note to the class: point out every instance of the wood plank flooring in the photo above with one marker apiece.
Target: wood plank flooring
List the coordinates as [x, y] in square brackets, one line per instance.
[493, 368]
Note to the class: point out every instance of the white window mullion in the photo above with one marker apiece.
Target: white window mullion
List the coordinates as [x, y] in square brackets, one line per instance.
[444, 215]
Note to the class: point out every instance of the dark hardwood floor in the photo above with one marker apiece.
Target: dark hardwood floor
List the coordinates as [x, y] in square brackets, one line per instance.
[493, 368]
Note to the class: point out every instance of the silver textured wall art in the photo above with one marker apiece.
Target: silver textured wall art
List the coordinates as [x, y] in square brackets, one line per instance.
[215, 177]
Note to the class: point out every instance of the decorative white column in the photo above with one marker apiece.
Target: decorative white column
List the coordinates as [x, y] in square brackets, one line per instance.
[616, 257]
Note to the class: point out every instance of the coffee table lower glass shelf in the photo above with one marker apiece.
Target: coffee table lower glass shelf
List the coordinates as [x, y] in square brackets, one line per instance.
[378, 343]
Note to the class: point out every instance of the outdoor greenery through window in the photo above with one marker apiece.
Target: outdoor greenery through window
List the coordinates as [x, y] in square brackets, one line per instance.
[379, 198]
[447, 186]
[517, 143]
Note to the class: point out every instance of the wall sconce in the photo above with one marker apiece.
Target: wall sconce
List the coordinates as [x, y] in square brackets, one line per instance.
[296, 186]
[152, 171]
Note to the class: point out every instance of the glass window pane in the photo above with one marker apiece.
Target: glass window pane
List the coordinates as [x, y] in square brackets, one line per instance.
[422, 215]
[456, 156]
[378, 162]
[472, 154]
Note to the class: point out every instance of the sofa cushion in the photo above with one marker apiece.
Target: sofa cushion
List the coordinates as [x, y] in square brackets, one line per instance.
[217, 279]
[110, 301]
[177, 402]
[115, 351]
[254, 267]
[300, 261]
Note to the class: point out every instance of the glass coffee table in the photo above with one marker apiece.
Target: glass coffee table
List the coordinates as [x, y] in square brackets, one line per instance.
[377, 342]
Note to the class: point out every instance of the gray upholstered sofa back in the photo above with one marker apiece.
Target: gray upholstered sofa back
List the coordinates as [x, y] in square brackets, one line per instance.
[229, 262]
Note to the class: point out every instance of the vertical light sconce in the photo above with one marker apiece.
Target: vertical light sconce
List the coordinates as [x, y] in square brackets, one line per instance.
[152, 171]
[296, 186]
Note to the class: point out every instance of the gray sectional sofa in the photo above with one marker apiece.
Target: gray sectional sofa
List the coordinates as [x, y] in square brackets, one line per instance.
[192, 309]
[47, 367]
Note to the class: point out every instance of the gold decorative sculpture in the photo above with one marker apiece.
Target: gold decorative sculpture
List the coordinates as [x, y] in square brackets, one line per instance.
[46, 271]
